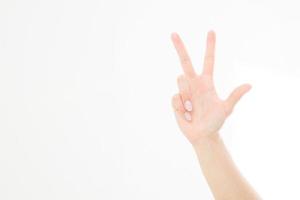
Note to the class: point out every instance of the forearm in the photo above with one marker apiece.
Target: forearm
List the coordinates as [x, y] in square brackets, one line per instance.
[223, 177]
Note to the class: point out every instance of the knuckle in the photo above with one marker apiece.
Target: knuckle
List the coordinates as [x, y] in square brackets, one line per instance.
[175, 102]
[174, 97]
[185, 60]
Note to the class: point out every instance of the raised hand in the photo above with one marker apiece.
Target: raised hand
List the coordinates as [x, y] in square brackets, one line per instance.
[198, 109]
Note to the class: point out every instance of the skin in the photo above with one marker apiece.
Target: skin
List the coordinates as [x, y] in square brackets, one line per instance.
[200, 114]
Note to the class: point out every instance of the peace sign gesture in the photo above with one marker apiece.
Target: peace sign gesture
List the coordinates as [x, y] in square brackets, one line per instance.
[198, 109]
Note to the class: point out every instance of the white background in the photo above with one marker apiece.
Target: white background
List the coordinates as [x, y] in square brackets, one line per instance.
[85, 97]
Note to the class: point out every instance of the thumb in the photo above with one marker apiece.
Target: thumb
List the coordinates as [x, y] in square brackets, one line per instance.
[235, 96]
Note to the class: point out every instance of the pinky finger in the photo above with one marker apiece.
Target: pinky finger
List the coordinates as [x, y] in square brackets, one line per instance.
[179, 109]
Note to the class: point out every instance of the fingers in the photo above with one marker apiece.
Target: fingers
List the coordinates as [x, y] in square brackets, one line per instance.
[209, 58]
[235, 96]
[178, 109]
[185, 93]
[181, 114]
[183, 55]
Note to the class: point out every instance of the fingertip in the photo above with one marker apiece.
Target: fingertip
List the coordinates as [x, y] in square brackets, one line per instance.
[211, 33]
[174, 36]
[188, 105]
[188, 116]
[248, 87]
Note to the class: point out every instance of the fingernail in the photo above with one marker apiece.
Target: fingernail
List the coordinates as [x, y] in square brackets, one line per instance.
[187, 116]
[188, 105]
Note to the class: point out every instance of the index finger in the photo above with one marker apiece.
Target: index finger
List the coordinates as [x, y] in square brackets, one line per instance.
[183, 55]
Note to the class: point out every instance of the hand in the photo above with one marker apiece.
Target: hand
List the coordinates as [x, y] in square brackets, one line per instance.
[198, 109]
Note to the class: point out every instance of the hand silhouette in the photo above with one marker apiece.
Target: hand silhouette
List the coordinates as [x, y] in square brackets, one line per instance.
[198, 109]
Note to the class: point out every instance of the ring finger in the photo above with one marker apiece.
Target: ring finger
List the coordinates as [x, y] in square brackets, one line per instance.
[184, 90]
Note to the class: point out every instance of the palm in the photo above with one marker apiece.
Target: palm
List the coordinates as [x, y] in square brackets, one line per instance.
[208, 111]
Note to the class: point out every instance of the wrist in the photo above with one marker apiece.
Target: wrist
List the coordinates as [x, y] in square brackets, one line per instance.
[208, 139]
